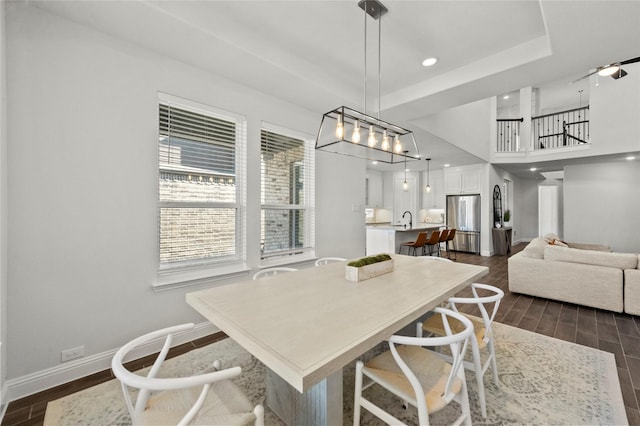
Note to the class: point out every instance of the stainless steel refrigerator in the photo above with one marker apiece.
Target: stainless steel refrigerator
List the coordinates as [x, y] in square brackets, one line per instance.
[463, 215]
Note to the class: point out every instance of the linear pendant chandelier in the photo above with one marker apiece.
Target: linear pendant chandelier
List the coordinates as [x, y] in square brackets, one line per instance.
[358, 134]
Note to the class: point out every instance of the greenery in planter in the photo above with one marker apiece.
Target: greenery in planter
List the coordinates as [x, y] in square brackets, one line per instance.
[369, 260]
[507, 215]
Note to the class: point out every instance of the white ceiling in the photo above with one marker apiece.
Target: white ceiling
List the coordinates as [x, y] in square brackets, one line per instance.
[311, 53]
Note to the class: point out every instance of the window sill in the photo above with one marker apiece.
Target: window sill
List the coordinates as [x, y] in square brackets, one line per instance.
[288, 260]
[175, 279]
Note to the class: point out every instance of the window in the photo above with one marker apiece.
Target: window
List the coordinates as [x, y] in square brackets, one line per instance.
[200, 185]
[287, 195]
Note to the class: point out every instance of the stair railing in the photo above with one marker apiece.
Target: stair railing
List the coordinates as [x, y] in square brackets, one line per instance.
[508, 134]
[561, 129]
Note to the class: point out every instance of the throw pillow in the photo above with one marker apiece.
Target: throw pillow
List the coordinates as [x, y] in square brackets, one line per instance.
[560, 243]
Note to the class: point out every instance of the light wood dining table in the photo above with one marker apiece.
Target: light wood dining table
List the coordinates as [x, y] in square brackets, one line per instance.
[305, 326]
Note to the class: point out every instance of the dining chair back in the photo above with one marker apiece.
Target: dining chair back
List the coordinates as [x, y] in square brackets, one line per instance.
[440, 259]
[444, 234]
[417, 375]
[325, 260]
[210, 397]
[449, 245]
[419, 243]
[486, 299]
[272, 271]
[432, 243]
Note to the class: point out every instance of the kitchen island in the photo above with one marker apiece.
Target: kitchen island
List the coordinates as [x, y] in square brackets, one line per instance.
[387, 238]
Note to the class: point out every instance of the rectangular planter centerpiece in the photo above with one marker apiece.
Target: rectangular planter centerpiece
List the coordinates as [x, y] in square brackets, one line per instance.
[361, 273]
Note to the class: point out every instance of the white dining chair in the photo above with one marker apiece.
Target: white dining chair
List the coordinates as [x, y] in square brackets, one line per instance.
[437, 259]
[324, 260]
[418, 375]
[209, 397]
[483, 333]
[272, 271]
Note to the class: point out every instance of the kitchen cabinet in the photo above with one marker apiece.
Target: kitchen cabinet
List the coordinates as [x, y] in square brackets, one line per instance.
[388, 238]
[436, 198]
[374, 189]
[463, 180]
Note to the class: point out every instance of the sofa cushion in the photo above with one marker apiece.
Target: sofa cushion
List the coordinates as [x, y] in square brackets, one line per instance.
[590, 257]
[535, 249]
[588, 246]
[632, 291]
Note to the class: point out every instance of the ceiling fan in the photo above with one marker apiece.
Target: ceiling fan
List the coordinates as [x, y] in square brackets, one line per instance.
[614, 70]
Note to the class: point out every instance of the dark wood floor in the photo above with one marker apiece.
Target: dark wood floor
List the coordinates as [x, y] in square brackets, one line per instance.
[608, 331]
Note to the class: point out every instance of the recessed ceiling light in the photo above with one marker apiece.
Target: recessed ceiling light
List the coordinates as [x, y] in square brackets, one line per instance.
[533, 169]
[447, 165]
[631, 157]
[374, 162]
[505, 97]
[429, 62]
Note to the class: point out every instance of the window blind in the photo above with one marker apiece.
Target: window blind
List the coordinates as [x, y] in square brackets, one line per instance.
[200, 159]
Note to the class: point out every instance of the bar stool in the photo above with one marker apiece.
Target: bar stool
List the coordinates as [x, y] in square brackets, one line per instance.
[418, 243]
[444, 234]
[452, 233]
[432, 242]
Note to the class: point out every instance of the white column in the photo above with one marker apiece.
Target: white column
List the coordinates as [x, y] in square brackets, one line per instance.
[526, 111]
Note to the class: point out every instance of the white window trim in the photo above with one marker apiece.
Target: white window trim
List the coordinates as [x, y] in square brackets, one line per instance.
[308, 253]
[179, 276]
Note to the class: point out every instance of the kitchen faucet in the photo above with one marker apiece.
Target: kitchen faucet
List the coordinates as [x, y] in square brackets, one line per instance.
[410, 218]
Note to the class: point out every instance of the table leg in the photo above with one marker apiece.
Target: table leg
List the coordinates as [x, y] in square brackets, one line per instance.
[319, 405]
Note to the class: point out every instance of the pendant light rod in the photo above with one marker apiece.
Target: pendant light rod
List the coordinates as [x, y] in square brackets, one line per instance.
[428, 187]
[365, 63]
[405, 185]
[379, 63]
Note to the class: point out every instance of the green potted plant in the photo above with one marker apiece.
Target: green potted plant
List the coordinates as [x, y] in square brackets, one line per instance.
[507, 216]
[368, 267]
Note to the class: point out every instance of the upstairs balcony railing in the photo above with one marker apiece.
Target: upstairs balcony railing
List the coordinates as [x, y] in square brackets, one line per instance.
[509, 134]
[561, 129]
[558, 130]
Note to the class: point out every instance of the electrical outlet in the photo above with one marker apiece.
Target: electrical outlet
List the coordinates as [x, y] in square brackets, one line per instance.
[73, 353]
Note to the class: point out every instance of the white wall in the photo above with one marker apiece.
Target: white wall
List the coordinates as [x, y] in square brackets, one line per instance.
[340, 220]
[614, 107]
[601, 205]
[82, 154]
[467, 127]
[3, 204]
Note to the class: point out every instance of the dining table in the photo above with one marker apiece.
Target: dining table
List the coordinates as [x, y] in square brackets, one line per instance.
[306, 325]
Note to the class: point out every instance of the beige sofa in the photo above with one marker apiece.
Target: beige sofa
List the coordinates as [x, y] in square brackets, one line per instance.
[584, 274]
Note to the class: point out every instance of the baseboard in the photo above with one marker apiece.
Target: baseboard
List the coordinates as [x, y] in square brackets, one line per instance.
[69, 371]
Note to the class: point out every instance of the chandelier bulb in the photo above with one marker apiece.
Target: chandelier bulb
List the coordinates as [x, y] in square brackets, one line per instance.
[372, 141]
[397, 147]
[340, 127]
[385, 141]
[355, 136]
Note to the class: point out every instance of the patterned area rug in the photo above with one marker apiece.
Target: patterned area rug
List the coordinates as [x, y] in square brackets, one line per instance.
[543, 381]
